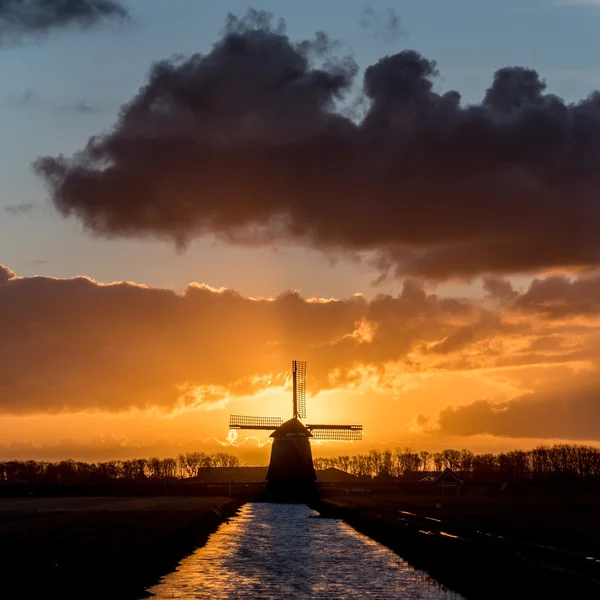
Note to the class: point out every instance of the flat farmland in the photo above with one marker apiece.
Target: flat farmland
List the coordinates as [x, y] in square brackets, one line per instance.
[99, 547]
[542, 541]
[161, 503]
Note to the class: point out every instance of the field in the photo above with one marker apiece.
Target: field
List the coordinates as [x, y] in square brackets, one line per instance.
[99, 547]
[544, 542]
[530, 542]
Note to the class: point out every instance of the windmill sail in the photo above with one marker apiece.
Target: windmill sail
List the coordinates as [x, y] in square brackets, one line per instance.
[242, 422]
[336, 432]
[299, 377]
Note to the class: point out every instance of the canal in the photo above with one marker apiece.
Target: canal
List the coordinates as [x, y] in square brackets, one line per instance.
[275, 551]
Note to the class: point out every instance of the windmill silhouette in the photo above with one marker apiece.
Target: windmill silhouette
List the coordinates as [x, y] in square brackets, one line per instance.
[291, 456]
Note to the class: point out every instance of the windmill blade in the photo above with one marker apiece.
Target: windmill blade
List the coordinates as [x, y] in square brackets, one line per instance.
[342, 435]
[299, 376]
[336, 432]
[242, 422]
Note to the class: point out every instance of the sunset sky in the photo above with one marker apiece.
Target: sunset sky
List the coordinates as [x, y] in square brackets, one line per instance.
[404, 194]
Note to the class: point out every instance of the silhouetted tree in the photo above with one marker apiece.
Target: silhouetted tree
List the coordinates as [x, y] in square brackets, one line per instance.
[425, 459]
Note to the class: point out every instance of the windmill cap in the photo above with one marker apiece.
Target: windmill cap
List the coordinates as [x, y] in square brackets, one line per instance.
[291, 428]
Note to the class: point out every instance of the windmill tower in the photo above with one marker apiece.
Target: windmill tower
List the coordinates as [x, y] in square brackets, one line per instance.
[291, 456]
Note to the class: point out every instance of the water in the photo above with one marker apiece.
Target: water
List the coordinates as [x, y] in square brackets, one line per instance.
[282, 551]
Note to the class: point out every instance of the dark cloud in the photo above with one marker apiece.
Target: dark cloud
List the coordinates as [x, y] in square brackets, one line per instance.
[498, 289]
[572, 413]
[21, 17]
[82, 107]
[560, 297]
[15, 210]
[467, 335]
[385, 25]
[31, 98]
[27, 98]
[250, 142]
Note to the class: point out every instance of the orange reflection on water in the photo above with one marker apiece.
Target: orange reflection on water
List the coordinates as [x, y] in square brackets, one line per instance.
[275, 551]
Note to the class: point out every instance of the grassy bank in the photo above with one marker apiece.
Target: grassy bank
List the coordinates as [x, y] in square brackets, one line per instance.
[459, 543]
[99, 547]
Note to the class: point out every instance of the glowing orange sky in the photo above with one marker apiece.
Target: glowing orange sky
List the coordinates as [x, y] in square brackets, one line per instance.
[110, 371]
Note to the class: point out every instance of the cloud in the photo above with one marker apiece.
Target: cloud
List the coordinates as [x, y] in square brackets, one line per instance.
[15, 210]
[32, 99]
[564, 402]
[6, 274]
[27, 98]
[250, 142]
[21, 17]
[570, 413]
[82, 107]
[560, 296]
[498, 289]
[385, 25]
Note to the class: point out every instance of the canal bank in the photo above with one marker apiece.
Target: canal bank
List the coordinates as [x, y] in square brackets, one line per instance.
[100, 547]
[473, 563]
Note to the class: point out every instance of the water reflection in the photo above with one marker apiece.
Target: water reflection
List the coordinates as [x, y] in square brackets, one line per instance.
[274, 551]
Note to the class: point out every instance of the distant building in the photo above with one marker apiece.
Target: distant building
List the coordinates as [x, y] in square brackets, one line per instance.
[447, 479]
[333, 475]
[230, 475]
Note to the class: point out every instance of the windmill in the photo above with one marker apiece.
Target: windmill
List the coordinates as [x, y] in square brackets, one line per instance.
[291, 456]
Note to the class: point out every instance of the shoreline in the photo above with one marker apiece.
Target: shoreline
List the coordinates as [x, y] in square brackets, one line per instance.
[479, 567]
[101, 548]
[186, 543]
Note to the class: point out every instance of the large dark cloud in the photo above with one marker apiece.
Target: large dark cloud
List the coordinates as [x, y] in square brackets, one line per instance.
[20, 17]
[253, 142]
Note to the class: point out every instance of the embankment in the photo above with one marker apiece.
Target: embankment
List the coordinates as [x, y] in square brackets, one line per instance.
[100, 547]
[468, 561]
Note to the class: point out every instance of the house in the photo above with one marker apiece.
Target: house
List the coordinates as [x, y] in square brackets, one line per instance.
[447, 479]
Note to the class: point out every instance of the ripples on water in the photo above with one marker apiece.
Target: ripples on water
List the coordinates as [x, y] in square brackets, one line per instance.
[280, 551]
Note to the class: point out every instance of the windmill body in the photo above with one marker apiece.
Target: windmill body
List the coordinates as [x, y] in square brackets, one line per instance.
[291, 456]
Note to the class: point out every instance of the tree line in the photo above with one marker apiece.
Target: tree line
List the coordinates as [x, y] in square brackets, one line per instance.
[71, 472]
[543, 462]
